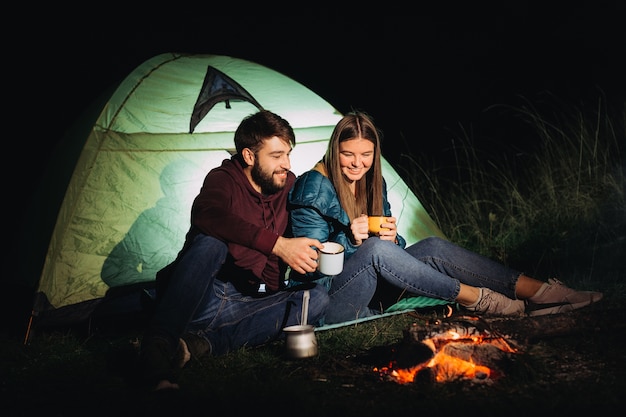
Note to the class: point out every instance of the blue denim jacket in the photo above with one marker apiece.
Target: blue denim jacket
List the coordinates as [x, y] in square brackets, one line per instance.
[315, 212]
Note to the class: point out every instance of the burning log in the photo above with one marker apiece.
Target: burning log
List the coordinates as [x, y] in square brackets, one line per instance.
[460, 348]
[479, 348]
[457, 328]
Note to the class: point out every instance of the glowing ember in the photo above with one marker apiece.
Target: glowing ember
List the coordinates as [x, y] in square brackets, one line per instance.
[453, 357]
[444, 367]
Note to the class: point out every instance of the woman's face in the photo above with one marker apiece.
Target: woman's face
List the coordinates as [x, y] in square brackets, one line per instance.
[356, 157]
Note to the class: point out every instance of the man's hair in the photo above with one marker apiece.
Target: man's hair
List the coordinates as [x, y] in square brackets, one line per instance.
[257, 127]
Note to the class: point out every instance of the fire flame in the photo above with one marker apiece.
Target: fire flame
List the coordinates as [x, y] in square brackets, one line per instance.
[444, 367]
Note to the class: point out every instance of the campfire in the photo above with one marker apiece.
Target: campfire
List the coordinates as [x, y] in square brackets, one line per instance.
[461, 348]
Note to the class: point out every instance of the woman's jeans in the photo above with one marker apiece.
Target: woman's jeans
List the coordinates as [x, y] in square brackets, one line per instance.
[432, 267]
[195, 301]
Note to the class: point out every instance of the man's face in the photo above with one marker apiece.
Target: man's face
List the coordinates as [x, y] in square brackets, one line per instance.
[271, 164]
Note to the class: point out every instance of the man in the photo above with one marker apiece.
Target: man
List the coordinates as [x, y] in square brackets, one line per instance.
[208, 299]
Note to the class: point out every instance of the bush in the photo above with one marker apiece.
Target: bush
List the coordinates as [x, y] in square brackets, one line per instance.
[539, 209]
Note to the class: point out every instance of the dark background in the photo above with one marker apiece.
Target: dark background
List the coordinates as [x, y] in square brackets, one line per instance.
[421, 77]
[424, 78]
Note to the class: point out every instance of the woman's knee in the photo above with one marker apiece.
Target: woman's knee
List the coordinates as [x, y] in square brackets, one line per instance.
[376, 246]
[434, 241]
[433, 244]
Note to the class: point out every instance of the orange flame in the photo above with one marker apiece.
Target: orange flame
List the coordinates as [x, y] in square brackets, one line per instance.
[444, 367]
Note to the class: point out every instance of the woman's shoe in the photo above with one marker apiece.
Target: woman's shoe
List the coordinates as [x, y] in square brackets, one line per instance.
[555, 297]
[494, 303]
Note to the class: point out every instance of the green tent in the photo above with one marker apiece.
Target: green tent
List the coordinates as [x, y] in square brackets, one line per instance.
[126, 207]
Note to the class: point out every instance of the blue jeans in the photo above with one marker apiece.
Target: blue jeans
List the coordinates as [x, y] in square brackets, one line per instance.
[195, 301]
[432, 267]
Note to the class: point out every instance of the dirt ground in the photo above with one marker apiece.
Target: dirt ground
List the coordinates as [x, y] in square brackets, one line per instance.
[574, 362]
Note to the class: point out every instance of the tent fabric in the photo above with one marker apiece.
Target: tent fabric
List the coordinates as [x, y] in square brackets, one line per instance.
[125, 210]
[405, 305]
[218, 87]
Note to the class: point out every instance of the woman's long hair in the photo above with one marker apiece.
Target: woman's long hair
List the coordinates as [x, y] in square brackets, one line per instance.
[369, 189]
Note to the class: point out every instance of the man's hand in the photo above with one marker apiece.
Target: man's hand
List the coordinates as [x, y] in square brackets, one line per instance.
[298, 253]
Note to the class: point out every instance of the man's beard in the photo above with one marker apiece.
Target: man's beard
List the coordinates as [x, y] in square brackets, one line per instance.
[265, 181]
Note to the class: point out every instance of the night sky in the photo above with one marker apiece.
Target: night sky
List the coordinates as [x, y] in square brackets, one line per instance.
[421, 77]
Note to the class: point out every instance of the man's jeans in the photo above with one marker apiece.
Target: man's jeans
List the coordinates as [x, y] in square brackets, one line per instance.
[432, 267]
[197, 302]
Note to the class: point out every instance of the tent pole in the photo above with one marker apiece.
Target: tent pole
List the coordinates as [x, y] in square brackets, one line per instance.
[30, 323]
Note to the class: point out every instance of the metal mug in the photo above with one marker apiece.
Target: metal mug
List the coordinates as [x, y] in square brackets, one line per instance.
[300, 341]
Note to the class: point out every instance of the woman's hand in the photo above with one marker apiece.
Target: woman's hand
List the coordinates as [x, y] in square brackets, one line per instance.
[389, 229]
[359, 229]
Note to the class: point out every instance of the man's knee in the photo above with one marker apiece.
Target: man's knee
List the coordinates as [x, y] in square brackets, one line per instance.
[204, 245]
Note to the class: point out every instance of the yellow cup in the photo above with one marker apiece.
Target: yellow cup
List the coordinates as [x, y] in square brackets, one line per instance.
[374, 224]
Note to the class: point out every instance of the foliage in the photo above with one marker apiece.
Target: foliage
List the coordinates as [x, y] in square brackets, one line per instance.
[539, 208]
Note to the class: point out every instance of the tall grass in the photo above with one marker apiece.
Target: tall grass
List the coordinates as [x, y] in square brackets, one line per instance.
[556, 208]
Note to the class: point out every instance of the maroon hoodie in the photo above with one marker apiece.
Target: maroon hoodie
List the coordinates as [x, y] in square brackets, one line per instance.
[231, 210]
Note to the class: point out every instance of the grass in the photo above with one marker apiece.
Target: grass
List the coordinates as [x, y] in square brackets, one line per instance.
[557, 211]
[537, 209]
[66, 374]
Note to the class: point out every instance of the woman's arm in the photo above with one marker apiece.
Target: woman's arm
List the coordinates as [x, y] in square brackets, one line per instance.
[308, 222]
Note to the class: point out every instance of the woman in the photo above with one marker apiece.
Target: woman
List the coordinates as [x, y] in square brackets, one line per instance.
[331, 203]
